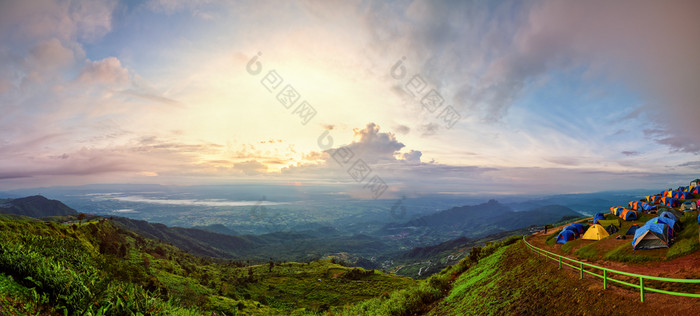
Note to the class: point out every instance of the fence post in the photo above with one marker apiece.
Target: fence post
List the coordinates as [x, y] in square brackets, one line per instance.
[581, 264]
[605, 279]
[559, 262]
[546, 256]
[641, 288]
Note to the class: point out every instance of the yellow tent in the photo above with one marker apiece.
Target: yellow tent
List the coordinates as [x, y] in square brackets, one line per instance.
[595, 232]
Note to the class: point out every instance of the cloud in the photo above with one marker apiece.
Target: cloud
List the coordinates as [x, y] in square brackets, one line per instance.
[65, 20]
[372, 145]
[564, 160]
[105, 71]
[690, 164]
[411, 156]
[645, 44]
[402, 129]
[630, 153]
[251, 167]
[51, 54]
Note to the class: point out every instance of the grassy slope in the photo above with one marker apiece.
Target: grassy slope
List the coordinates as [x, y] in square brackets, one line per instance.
[513, 281]
[105, 263]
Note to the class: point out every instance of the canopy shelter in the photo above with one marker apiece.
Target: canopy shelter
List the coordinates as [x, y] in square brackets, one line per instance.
[607, 222]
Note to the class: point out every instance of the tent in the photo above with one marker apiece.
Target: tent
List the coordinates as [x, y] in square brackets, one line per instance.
[655, 199]
[689, 206]
[632, 229]
[573, 229]
[667, 193]
[647, 207]
[651, 236]
[598, 216]
[615, 210]
[628, 215]
[611, 229]
[682, 195]
[695, 190]
[595, 232]
[607, 222]
[564, 236]
[674, 212]
[669, 215]
[670, 202]
[580, 227]
[672, 224]
[682, 189]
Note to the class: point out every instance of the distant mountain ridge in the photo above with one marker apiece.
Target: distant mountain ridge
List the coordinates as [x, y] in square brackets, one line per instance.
[473, 221]
[35, 206]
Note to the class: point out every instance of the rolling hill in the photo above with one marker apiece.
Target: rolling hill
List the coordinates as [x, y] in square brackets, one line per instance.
[35, 206]
[475, 221]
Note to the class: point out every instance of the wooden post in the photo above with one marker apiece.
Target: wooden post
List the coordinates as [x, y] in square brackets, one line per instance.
[581, 270]
[641, 288]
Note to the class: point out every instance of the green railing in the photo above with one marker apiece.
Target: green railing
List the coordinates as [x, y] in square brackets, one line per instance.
[578, 265]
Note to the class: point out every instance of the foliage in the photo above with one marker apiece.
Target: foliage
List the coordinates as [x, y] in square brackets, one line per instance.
[99, 268]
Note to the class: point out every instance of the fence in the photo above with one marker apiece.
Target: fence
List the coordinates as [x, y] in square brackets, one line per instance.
[642, 288]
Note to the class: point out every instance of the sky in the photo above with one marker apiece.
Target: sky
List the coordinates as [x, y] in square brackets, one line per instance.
[384, 98]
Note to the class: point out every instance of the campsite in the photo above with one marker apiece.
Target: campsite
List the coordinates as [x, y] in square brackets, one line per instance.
[647, 235]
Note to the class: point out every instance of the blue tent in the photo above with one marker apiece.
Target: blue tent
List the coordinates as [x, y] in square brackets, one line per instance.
[672, 224]
[651, 236]
[565, 235]
[669, 215]
[580, 227]
[647, 206]
[632, 229]
[573, 229]
[598, 216]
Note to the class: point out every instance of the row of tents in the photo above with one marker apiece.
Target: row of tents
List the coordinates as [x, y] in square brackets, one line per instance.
[680, 194]
[624, 213]
[592, 232]
[657, 232]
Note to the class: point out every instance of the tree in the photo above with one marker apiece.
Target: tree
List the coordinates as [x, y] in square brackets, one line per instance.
[81, 217]
[474, 254]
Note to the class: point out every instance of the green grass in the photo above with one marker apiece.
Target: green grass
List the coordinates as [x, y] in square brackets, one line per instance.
[686, 239]
[552, 239]
[102, 268]
[625, 253]
[588, 252]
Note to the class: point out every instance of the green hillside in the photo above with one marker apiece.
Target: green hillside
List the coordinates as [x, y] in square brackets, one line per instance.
[101, 268]
[35, 206]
